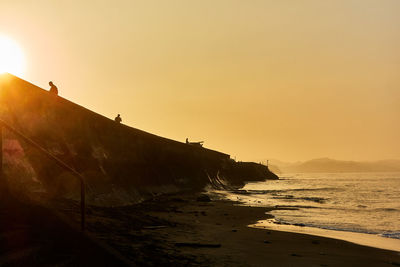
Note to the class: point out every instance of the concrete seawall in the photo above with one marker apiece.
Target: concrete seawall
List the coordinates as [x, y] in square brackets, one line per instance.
[121, 164]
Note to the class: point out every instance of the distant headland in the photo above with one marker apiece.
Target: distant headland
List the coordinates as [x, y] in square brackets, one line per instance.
[333, 165]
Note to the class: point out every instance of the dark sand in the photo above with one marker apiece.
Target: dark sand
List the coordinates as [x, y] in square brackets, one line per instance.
[31, 235]
[178, 230]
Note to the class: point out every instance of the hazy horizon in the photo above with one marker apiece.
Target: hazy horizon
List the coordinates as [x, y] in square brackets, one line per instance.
[258, 80]
[327, 158]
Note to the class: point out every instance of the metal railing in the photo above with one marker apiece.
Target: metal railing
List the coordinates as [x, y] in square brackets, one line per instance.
[3, 124]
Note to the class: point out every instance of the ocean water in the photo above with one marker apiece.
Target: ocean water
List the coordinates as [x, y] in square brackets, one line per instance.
[354, 202]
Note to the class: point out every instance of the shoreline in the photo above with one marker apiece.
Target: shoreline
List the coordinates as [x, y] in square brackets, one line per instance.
[345, 206]
[364, 239]
[361, 238]
[191, 230]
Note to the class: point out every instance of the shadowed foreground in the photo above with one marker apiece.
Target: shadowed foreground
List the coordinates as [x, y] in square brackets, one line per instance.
[31, 235]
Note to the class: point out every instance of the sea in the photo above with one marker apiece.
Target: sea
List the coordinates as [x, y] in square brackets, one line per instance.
[338, 205]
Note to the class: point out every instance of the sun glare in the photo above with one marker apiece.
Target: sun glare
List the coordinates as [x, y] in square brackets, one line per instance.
[11, 57]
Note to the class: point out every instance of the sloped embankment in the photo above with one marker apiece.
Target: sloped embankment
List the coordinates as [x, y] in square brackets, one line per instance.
[121, 164]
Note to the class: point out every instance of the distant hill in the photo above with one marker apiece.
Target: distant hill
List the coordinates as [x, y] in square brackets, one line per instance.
[332, 165]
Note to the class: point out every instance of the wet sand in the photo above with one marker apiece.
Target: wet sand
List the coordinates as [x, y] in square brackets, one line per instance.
[180, 230]
[371, 240]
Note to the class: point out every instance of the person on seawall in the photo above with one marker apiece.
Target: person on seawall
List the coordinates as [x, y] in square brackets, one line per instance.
[118, 119]
[53, 88]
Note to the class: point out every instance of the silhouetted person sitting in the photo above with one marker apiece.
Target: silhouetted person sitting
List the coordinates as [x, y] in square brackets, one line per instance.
[118, 119]
[187, 140]
[53, 88]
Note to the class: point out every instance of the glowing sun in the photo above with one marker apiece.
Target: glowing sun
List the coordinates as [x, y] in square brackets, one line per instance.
[11, 57]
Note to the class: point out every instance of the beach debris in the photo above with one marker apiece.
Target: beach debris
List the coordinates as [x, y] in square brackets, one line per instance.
[154, 227]
[295, 255]
[177, 199]
[315, 199]
[234, 230]
[197, 245]
[267, 242]
[203, 198]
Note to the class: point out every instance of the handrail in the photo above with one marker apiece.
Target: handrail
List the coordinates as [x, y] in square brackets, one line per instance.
[49, 155]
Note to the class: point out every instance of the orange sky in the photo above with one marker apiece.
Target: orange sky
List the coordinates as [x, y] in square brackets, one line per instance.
[291, 80]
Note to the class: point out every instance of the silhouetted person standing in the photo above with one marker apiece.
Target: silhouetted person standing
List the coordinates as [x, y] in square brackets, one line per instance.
[118, 119]
[53, 88]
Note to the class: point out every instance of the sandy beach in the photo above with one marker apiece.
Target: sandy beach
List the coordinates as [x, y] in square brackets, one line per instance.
[189, 230]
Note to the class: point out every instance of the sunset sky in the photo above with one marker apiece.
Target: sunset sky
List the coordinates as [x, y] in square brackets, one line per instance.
[288, 80]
